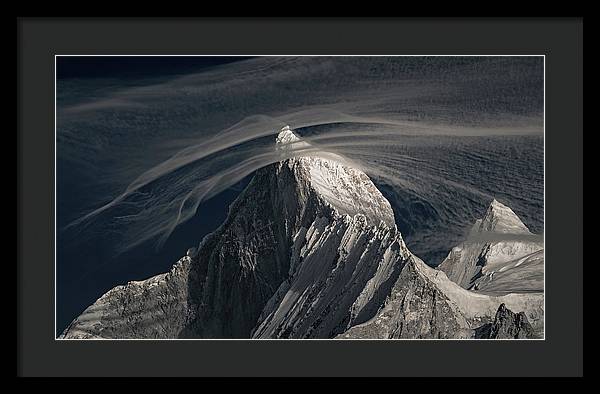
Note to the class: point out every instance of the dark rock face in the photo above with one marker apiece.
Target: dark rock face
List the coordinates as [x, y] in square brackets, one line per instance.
[242, 264]
[220, 290]
[416, 308]
[343, 271]
[155, 308]
[510, 325]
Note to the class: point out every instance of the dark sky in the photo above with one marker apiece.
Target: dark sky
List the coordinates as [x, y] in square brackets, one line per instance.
[86, 270]
[134, 66]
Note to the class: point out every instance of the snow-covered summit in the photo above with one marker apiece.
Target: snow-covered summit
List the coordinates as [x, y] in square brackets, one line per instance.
[500, 249]
[347, 189]
[501, 219]
[286, 135]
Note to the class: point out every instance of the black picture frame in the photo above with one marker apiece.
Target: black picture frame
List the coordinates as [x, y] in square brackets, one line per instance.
[560, 40]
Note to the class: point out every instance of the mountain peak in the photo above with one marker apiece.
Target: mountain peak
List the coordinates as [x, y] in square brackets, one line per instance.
[285, 136]
[501, 219]
[342, 186]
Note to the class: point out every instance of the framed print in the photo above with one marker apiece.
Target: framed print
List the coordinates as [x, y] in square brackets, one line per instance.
[299, 196]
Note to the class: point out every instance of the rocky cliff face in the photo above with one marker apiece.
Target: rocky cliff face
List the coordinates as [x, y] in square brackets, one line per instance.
[507, 325]
[342, 269]
[424, 303]
[308, 250]
[416, 308]
[153, 308]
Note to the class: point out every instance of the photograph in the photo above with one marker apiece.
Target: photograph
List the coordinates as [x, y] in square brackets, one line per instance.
[299, 197]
